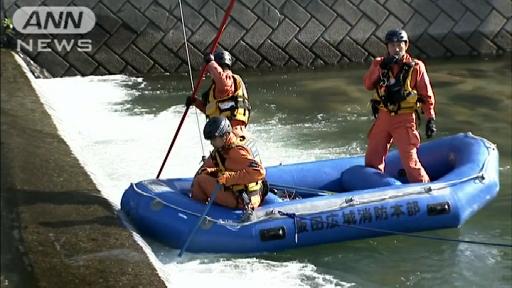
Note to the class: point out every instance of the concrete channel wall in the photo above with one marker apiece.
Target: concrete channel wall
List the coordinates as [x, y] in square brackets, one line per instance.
[57, 229]
[145, 36]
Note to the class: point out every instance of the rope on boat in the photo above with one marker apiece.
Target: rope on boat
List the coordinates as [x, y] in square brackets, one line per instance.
[352, 202]
[412, 235]
[228, 223]
[235, 225]
[348, 202]
[477, 177]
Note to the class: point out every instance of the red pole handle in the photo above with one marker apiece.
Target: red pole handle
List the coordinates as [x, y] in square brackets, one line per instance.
[198, 82]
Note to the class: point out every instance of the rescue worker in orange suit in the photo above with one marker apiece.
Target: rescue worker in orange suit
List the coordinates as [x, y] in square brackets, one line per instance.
[402, 87]
[232, 165]
[226, 96]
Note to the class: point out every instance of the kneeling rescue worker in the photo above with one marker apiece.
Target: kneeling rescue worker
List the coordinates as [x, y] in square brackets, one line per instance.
[234, 166]
[226, 96]
[402, 86]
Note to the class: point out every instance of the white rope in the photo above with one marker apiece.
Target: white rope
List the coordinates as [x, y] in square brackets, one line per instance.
[191, 80]
[271, 213]
[224, 222]
[335, 204]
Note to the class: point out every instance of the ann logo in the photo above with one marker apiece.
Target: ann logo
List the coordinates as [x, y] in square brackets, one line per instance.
[61, 22]
[54, 20]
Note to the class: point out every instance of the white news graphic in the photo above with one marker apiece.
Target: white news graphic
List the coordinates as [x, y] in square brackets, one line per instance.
[54, 20]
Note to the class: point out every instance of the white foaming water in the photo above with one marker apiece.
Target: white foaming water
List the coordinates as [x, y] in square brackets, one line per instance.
[117, 148]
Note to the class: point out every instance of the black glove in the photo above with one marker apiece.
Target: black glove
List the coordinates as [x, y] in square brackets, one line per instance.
[430, 128]
[375, 107]
[207, 58]
[387, 61]
[190, 101]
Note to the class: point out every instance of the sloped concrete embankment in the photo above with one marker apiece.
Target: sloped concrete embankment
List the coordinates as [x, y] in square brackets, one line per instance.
[57, 230]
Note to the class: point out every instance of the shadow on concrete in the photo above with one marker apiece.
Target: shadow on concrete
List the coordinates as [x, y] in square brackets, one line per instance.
[104, 221]
[83, 198]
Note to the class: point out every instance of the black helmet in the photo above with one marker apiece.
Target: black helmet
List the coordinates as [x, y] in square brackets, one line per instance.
[215, 127]
[223, 58]
[396, 35]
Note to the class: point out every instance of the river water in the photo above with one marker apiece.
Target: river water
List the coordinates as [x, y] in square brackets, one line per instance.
[120, 127]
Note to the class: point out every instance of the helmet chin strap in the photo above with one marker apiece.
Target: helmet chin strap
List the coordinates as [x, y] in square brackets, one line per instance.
[399, 55]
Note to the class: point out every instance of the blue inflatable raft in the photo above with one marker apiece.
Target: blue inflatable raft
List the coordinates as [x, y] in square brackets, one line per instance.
[326, 201]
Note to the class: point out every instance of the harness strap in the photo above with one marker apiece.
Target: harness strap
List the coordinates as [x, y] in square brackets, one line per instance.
[243, 196]
[219, 160]
[235, 86]
[402, 79]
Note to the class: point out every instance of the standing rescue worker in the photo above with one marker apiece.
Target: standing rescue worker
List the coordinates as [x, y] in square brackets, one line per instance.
[401, 87]
[232, 165]
[226, 96]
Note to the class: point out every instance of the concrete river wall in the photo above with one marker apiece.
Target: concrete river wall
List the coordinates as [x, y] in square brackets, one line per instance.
[145, 36]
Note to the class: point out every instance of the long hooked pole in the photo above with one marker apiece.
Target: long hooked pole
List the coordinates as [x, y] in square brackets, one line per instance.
[198, 82]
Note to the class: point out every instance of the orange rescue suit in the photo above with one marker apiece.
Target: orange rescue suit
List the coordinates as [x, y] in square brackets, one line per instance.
[399, 128]
[241, 168]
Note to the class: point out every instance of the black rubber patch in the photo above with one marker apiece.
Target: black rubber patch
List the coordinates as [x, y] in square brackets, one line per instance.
[275, 233]
[438, 208]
